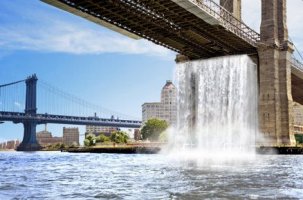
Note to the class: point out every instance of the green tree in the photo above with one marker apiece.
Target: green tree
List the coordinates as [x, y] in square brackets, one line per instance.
[102, 138]
[119, 137]
[153, 128]
[86, 143]
[163, 137]
[90, 140]
[62, 146]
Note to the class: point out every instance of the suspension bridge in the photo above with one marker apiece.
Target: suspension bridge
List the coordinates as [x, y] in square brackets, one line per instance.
[198, 29]
[71, 109]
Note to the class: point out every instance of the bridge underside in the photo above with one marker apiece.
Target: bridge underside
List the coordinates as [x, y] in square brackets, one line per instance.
[163, 22]
[297, 88]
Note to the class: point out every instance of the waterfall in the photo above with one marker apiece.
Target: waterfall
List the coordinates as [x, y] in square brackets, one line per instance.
[217, 106]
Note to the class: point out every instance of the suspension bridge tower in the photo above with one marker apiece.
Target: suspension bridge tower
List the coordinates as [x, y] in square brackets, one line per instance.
[29, 142]
[275, 98]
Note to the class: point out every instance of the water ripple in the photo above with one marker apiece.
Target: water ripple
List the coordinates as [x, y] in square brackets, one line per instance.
[54, 175]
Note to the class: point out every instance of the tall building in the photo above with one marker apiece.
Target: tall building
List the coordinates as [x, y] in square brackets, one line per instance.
[70, 136]
[169, 102]
[166, 109]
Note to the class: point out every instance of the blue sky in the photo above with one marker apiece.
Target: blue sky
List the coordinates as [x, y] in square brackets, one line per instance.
[89, 61]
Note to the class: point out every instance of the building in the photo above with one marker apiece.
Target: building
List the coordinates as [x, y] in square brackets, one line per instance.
[11, 144]
[169, 101]
[100, 129]
[97, 130]
[71, 136]
[45, 138]
[166, 109]
[152, 110]
[137, 134]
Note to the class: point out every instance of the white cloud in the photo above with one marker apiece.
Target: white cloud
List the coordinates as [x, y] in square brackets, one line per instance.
[69, 38]
[45, 31]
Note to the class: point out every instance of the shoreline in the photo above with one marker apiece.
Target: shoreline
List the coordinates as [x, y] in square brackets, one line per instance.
[117, 150]
[156, 149]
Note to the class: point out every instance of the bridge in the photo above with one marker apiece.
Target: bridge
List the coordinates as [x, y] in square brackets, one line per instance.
[198, 29]
[30, 118]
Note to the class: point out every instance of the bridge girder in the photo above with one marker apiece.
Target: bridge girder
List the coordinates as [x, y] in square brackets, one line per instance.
[163, 22]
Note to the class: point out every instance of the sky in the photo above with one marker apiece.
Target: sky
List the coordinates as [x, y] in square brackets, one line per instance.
[90, 61]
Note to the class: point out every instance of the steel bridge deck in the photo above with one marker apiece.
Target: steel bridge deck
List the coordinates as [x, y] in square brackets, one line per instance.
[17, 117]
[166, 23]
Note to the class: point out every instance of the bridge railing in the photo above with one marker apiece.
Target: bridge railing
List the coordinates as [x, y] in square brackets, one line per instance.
[297, 64]
[229, 21]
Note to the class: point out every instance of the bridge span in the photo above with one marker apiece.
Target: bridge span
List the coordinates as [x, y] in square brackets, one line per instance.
[196, 29]
[17, 117]
[30, 118]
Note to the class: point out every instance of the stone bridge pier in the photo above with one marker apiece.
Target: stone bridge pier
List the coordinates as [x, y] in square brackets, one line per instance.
[275, 98]
[276, 115]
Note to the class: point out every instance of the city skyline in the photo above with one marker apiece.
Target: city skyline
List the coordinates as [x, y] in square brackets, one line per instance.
[81, 57]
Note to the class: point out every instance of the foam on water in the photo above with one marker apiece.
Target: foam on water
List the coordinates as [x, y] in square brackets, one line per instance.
[217, 109]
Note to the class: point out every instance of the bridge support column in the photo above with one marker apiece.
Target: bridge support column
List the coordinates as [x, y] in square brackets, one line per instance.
[275, 99]
[29, 142]
[233, 6]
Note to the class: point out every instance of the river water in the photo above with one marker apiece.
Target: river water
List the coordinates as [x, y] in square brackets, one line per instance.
[56, 175]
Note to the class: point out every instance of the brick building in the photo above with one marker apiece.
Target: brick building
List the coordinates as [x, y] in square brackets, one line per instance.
[71, 136]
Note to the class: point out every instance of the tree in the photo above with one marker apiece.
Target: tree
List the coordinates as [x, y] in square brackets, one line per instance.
[163, 137]
[62, 146]
[90, 140]
[102, 138]
[153, 128]
[86, 143]
[119, 137]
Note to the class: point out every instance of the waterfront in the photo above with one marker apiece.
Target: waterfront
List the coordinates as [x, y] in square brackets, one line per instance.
[56, 175]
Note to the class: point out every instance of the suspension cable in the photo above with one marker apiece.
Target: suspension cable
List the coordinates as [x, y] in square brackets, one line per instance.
[11, 83]
[297, 50]
[84, 107]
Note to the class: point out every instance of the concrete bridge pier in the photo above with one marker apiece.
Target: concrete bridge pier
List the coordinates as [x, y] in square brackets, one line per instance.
[275, 98]
[29, 142]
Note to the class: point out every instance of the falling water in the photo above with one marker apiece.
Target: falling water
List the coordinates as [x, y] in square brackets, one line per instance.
[217, 106]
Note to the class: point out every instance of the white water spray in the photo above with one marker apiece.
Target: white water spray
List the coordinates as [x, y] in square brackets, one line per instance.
[217, 108]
